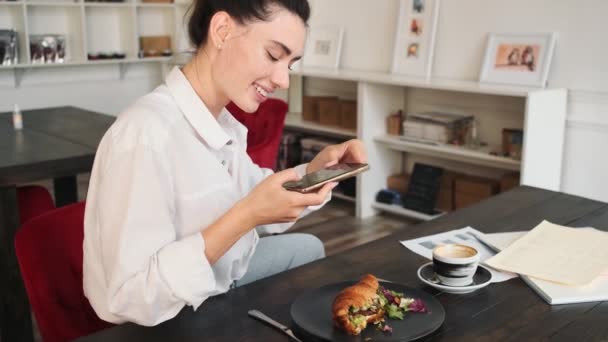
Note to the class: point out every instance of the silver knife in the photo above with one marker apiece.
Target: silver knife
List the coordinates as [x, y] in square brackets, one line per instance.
[259, 315]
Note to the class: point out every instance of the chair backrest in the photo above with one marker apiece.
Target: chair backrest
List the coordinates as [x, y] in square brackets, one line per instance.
[265, 128]
[49, 252]
[33, 200]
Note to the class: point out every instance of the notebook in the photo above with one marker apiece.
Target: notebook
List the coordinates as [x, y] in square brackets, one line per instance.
[552, 293]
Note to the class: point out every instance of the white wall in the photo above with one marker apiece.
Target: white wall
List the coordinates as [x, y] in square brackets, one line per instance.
[579, 63]
[97, 88]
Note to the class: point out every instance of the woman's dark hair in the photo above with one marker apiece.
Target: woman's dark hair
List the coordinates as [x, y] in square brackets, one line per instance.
[240, 10]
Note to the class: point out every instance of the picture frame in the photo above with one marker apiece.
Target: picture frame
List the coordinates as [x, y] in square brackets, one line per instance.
[323, 47]
[415, 37]
[518, 58]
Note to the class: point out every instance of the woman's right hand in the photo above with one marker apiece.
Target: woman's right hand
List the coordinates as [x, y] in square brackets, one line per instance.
[270, 203]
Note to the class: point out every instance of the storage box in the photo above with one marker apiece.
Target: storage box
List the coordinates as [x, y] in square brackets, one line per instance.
[310, 107]
[154, 46]
[398, 182]
[329, 112]
[445, 198]
[444, 128]
[469, 190]
[348, 114]
[509, 181]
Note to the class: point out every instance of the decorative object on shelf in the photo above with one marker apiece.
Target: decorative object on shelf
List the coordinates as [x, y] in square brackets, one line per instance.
[423, 189]
[92, 56]
[323, 47]
[415, 37]
[9, 47]
[394, 122]
[512, 143]
[155, 46]
[438, 127]
[518, 58]
[48, 48]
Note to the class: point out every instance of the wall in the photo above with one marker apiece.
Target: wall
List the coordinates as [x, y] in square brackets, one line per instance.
[97, 88]
[578, 63]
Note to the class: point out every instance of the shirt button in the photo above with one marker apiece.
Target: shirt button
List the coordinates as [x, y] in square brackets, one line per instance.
[229, 142]
[223, 162]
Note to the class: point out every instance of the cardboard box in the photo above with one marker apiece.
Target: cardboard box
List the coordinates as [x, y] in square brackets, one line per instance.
[348, 114]
[310, 107]
[398, 182]
[470, 189]
[509, 181]
[445, 198]
[329, 112]
[153, 46]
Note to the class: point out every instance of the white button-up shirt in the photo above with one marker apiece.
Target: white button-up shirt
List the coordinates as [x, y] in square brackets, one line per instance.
[163, 172]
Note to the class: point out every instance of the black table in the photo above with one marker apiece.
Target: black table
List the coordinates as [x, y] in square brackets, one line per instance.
[55, 143]
[502, 311]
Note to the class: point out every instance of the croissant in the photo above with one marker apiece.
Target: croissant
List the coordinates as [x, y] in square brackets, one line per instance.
[357, 305]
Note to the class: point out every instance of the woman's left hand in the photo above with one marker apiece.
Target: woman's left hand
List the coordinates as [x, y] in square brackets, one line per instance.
[351, 151]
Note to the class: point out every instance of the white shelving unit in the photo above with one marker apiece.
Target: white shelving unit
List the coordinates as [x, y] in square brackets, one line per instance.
[294, 122]
[93, 27]
[541, 113]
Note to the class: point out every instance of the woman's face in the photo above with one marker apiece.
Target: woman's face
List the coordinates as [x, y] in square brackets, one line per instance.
[254, 61]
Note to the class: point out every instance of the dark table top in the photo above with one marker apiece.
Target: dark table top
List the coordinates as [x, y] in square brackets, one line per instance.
[54, 142]
[501, 311]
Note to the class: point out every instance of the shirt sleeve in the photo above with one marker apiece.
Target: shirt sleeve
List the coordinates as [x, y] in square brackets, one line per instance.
[150, 274]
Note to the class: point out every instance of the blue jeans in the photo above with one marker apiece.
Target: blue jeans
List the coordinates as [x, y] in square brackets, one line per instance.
[278, 253]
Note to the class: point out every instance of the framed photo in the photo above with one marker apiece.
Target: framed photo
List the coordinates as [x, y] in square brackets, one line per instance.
[323, 47]
[518, 58]
[415, 37]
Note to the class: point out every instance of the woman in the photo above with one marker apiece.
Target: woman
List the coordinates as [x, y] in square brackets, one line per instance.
[174, 199]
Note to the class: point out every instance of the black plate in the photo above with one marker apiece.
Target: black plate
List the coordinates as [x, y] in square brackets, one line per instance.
[311, 314]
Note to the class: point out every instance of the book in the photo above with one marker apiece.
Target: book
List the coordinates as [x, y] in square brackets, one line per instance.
[552, 293]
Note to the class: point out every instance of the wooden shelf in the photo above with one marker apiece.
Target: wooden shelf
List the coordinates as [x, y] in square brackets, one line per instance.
[450, 152]
[401, 211]
[294, 122]
[408, 81]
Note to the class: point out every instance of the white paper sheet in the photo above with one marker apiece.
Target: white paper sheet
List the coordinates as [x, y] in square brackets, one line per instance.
[424, 246]
[570, 256]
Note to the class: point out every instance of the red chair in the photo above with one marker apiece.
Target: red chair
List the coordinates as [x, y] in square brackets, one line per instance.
[33, 200]
[265, 128]
[49, 252]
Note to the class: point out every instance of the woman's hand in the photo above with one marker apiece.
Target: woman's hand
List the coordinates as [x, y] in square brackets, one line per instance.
[351, 151]
[270, 203]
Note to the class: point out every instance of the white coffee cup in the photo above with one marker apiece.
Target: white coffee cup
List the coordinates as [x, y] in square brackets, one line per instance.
[455, 264]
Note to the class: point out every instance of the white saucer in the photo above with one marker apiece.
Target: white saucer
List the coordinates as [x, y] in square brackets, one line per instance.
[482, 278]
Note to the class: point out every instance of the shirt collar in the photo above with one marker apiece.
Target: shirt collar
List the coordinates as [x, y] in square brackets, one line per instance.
[195, 111]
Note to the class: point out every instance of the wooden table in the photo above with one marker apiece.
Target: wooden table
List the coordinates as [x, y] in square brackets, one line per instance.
[55, 143]
[508, 310]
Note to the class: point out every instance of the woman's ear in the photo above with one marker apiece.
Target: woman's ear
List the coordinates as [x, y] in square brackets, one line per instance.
[219, 29]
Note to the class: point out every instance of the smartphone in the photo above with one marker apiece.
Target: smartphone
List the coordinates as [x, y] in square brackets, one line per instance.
[316, 180]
